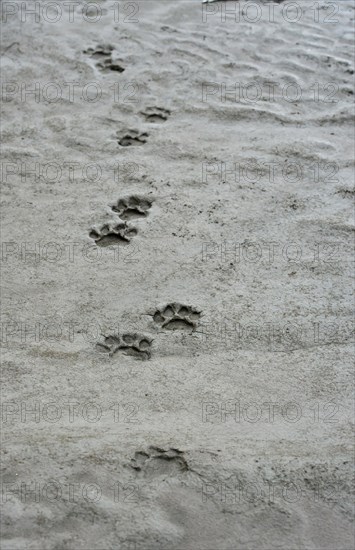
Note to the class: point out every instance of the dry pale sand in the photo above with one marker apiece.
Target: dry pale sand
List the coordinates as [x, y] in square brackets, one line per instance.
[176, 284]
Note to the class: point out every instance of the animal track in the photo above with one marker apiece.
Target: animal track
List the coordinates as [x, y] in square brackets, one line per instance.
[344, 192]
[157, 461]
[132, 207]
[131, 137]
[156, 114]
[109, 65]
[104, 53]
[101, 50]
[129, 343]
[113, 233]
[177, 317]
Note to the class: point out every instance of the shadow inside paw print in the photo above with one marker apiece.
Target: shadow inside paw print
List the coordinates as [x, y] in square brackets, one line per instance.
[132, 207]
[103, 52]
[156, 114]
[157, 461]
[112, 233]
[131, 137]
[109, 65]
[176, 316]
[129, 343]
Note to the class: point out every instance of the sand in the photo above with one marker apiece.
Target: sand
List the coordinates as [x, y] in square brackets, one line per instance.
[176, 275]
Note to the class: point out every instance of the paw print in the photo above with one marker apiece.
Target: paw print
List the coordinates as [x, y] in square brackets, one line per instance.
[132, 207]
[157, 461]
[113, 233]
[103, 52]
[109, 65]
[131, 137]
[156, 114]
[176, 316]
[134, 344]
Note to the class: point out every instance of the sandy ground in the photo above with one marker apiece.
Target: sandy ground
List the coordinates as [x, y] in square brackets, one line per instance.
[176, 256]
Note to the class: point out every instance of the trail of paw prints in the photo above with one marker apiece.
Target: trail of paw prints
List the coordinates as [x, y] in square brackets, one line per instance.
[132, 137]
[133, 206]
[129, 138]
[113, 233]
[133, 344]
[156, 115]
[104, 52]
[176, 316]
[121, 233]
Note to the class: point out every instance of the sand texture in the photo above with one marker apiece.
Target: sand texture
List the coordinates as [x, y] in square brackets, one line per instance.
[177, 245]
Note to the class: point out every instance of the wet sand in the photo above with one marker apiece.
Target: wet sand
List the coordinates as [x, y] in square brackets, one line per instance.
[176, 259]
